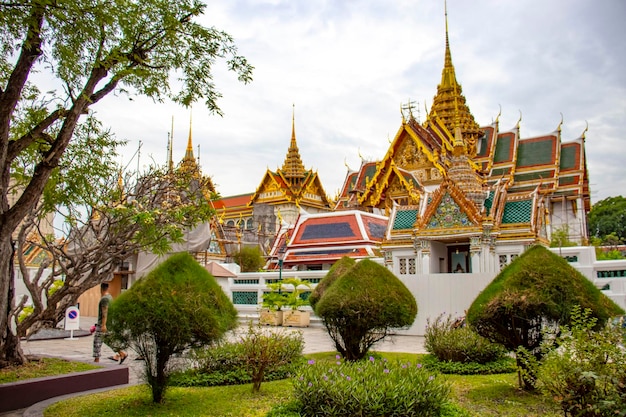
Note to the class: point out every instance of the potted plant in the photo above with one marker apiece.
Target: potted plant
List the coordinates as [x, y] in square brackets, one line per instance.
[295, 316]
[271, 313]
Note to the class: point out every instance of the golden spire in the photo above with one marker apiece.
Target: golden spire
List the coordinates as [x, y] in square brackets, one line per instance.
[293, 168]
[449, 103]
[189, 161]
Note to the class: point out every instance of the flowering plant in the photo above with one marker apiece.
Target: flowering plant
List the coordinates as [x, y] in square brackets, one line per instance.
[374, 387]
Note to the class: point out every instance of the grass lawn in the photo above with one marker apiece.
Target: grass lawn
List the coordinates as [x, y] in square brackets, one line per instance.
[480, 395]
[43, 367]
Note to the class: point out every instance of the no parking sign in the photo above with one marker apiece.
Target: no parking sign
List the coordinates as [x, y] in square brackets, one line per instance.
[72, 316]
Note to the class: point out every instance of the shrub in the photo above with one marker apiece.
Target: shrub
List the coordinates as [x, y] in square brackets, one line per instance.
[277, 354]
[369, 388]
[448, 341]
[339, 268]
[536, 291]
[264, 350]
[361, 306]
[500, 366]
[249, 259]
[177, 306]
[587, 372]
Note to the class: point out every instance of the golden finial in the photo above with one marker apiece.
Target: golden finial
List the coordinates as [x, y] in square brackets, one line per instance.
[519, 120]
[346, 164]
[240, 219]
[558, 128]
[499, 114]
[582, 136]
[189, 143]
[361, 156]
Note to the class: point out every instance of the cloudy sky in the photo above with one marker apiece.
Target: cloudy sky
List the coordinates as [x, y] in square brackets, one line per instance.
[348, 65]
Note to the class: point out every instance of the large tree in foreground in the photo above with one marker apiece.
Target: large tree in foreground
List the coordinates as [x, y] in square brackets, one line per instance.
[179, 305]
[535, 293]
[88, 50]
[362, 305]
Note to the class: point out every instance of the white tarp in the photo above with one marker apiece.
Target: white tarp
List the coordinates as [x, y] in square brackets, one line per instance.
[196, 240]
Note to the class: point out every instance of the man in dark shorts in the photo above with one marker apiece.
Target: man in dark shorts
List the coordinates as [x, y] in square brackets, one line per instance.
[101, 325]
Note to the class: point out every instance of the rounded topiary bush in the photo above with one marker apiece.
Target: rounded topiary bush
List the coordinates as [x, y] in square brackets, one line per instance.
[177, 306]
[537, 291]
[338, 269]
[361, 306]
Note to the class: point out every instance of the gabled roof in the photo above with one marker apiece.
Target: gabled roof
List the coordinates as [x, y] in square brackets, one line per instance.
[449, 208]
[326, 237]
[218, 271]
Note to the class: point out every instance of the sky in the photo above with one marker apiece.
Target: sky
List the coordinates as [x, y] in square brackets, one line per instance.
[344, 68]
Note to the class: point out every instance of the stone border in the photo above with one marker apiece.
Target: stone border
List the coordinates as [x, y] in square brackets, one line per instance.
[22, 394]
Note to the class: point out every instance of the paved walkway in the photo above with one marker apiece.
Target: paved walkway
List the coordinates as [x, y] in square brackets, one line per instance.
[316, 339]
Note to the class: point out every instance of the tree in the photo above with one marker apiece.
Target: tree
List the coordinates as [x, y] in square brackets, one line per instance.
[125, 216]
[90, 50]
[249, 259]
[362, 305]
[537, 291]
[608, 217]
[179, 305]
[560, 238]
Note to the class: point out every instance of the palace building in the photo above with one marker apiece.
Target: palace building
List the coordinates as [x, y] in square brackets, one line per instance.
[256, 218]
[466, 198]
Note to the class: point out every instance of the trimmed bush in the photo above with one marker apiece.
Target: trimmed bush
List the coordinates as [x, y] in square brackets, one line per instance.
[177, 306]
[500, 366]
[369, 388]
[536, 291]
[362, 305]
[448, 341]
[339, 268]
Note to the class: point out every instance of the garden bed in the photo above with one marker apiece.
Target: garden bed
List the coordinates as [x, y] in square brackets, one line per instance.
[22, 394]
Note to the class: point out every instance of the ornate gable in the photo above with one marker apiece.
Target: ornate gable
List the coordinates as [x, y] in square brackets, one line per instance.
[448, 211]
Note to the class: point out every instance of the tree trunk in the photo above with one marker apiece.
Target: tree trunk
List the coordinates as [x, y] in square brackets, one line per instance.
[10, 349]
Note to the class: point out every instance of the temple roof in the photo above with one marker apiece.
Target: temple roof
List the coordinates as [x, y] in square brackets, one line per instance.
[326, 237]
[292, 183]
[293, 168]
[449, 103]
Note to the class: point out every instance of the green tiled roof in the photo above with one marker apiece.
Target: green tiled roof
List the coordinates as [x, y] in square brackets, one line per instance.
[484, 141]
[503, 149]
[568, 157]
[517, 211]
[536, 152]
[489, 201]
[404, 219]
[534, 176]
[500, 171]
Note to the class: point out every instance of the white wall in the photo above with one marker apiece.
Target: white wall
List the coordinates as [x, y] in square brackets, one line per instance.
[438, 294]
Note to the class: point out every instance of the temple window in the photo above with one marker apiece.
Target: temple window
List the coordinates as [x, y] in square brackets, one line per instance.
[507, 259]
[402, 262]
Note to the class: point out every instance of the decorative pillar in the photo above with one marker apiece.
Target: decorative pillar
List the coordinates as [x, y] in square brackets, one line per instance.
[475, 254]
[425, 258]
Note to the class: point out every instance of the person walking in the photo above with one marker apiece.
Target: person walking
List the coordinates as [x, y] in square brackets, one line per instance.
[101, 325]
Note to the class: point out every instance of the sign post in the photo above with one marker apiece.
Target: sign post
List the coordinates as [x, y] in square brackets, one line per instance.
[72, 317]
